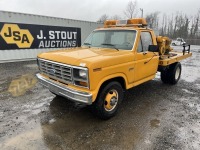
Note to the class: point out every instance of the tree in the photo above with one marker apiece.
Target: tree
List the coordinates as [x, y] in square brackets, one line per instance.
[186, 26]
[103, 18]
[164, 25]
[182, 25]
[196, 26]
[131, 9]
[153, 19]
[115, 17]
[170, 26]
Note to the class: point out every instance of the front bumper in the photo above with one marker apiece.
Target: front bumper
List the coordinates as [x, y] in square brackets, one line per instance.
[59, 89]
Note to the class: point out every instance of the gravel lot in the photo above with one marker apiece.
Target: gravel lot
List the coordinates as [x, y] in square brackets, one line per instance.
[152, 116]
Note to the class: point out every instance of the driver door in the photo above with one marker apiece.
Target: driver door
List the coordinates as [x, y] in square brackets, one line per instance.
[146, 62]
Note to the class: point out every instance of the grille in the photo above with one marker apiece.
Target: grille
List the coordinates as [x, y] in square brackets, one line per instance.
[56, 71]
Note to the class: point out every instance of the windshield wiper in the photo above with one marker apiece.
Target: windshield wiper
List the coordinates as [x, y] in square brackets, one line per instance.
[87, 44]
[110, 45]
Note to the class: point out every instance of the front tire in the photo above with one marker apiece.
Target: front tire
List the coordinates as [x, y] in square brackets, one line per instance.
[108, 100]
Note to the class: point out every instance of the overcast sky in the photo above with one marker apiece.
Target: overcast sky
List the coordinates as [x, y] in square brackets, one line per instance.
[91, 10]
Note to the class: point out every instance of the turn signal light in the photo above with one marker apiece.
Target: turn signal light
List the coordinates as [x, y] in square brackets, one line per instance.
[81, 83]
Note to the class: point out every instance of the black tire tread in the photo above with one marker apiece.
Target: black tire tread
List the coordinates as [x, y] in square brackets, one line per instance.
[98, 105]
[164, 77]
[172, 71]
[168, 75]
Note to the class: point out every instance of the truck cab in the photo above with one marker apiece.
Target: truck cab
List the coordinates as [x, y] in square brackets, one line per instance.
[112, 59]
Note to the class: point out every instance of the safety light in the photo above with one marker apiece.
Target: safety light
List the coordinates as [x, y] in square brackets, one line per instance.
[136, 22]
[110, 23]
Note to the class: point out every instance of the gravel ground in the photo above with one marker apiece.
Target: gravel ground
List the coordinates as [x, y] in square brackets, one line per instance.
[152, 116]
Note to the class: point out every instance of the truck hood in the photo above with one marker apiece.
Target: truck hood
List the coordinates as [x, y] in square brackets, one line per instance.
[102, 57]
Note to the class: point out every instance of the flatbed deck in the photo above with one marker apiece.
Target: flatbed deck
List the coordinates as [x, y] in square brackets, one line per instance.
[173, 57]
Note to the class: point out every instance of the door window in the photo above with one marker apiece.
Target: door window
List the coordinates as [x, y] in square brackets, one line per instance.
[145, 41]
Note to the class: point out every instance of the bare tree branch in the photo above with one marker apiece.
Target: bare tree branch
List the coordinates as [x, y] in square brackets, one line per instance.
[153, 19]
[131, 9]
[103, 18]
[115, 17]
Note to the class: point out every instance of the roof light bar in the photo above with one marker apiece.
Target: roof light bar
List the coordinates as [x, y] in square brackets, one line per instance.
[108, 23]
[137, 22]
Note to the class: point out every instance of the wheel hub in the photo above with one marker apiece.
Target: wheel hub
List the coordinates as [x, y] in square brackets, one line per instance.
[111, 100]
[177, 74]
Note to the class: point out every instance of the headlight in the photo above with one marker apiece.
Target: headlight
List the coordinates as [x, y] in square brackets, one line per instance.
[83, 73]
[80, 76]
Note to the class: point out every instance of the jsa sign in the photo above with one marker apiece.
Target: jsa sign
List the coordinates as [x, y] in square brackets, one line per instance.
[19, 36]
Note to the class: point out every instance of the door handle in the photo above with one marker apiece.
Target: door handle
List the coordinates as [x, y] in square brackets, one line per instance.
[131, 69]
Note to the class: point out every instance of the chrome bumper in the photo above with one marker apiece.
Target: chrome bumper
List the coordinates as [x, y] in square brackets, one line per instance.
[59, 89]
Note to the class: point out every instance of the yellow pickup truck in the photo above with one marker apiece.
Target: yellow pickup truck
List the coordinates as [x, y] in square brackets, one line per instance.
[117, 57]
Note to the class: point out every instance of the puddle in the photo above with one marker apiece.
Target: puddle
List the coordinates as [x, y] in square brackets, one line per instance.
[198, 85]
[155, 123]
[36, 108]
[163, 109]
[187, 91]
[19, 86]
[52, 121]
[1, 114]
[31, 139]
[3, 81]
[31, 66]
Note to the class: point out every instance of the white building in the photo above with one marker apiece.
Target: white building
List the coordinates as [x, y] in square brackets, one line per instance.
[15, 28]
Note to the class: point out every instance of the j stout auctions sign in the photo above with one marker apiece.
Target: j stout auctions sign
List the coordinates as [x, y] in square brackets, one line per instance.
[19, 36]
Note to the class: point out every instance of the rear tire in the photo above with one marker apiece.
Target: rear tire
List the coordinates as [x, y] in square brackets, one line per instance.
[172, 74]
[108, 100]
[164, 76]
[175, 73]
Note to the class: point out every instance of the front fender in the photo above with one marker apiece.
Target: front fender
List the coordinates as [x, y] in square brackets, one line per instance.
[103, 80]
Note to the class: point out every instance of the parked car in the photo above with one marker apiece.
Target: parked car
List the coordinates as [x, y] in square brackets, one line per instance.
[178, 42]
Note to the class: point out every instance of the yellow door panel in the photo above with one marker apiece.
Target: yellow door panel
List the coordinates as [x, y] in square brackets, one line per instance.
[146, 65]
[146, 62]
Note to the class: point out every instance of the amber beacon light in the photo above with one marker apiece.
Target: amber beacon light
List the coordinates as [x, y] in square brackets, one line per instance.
[136, 22]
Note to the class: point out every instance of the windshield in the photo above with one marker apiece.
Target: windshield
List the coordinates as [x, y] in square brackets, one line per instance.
[116, 39]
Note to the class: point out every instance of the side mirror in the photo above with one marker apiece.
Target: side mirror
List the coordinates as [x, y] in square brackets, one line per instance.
[153, 48]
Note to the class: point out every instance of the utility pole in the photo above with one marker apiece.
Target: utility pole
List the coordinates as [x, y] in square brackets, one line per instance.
[141, 9]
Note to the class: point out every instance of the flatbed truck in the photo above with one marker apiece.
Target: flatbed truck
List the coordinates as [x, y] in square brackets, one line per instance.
[114, 58]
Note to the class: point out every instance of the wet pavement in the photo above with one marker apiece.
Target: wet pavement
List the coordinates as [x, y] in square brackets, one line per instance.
[152, 116]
